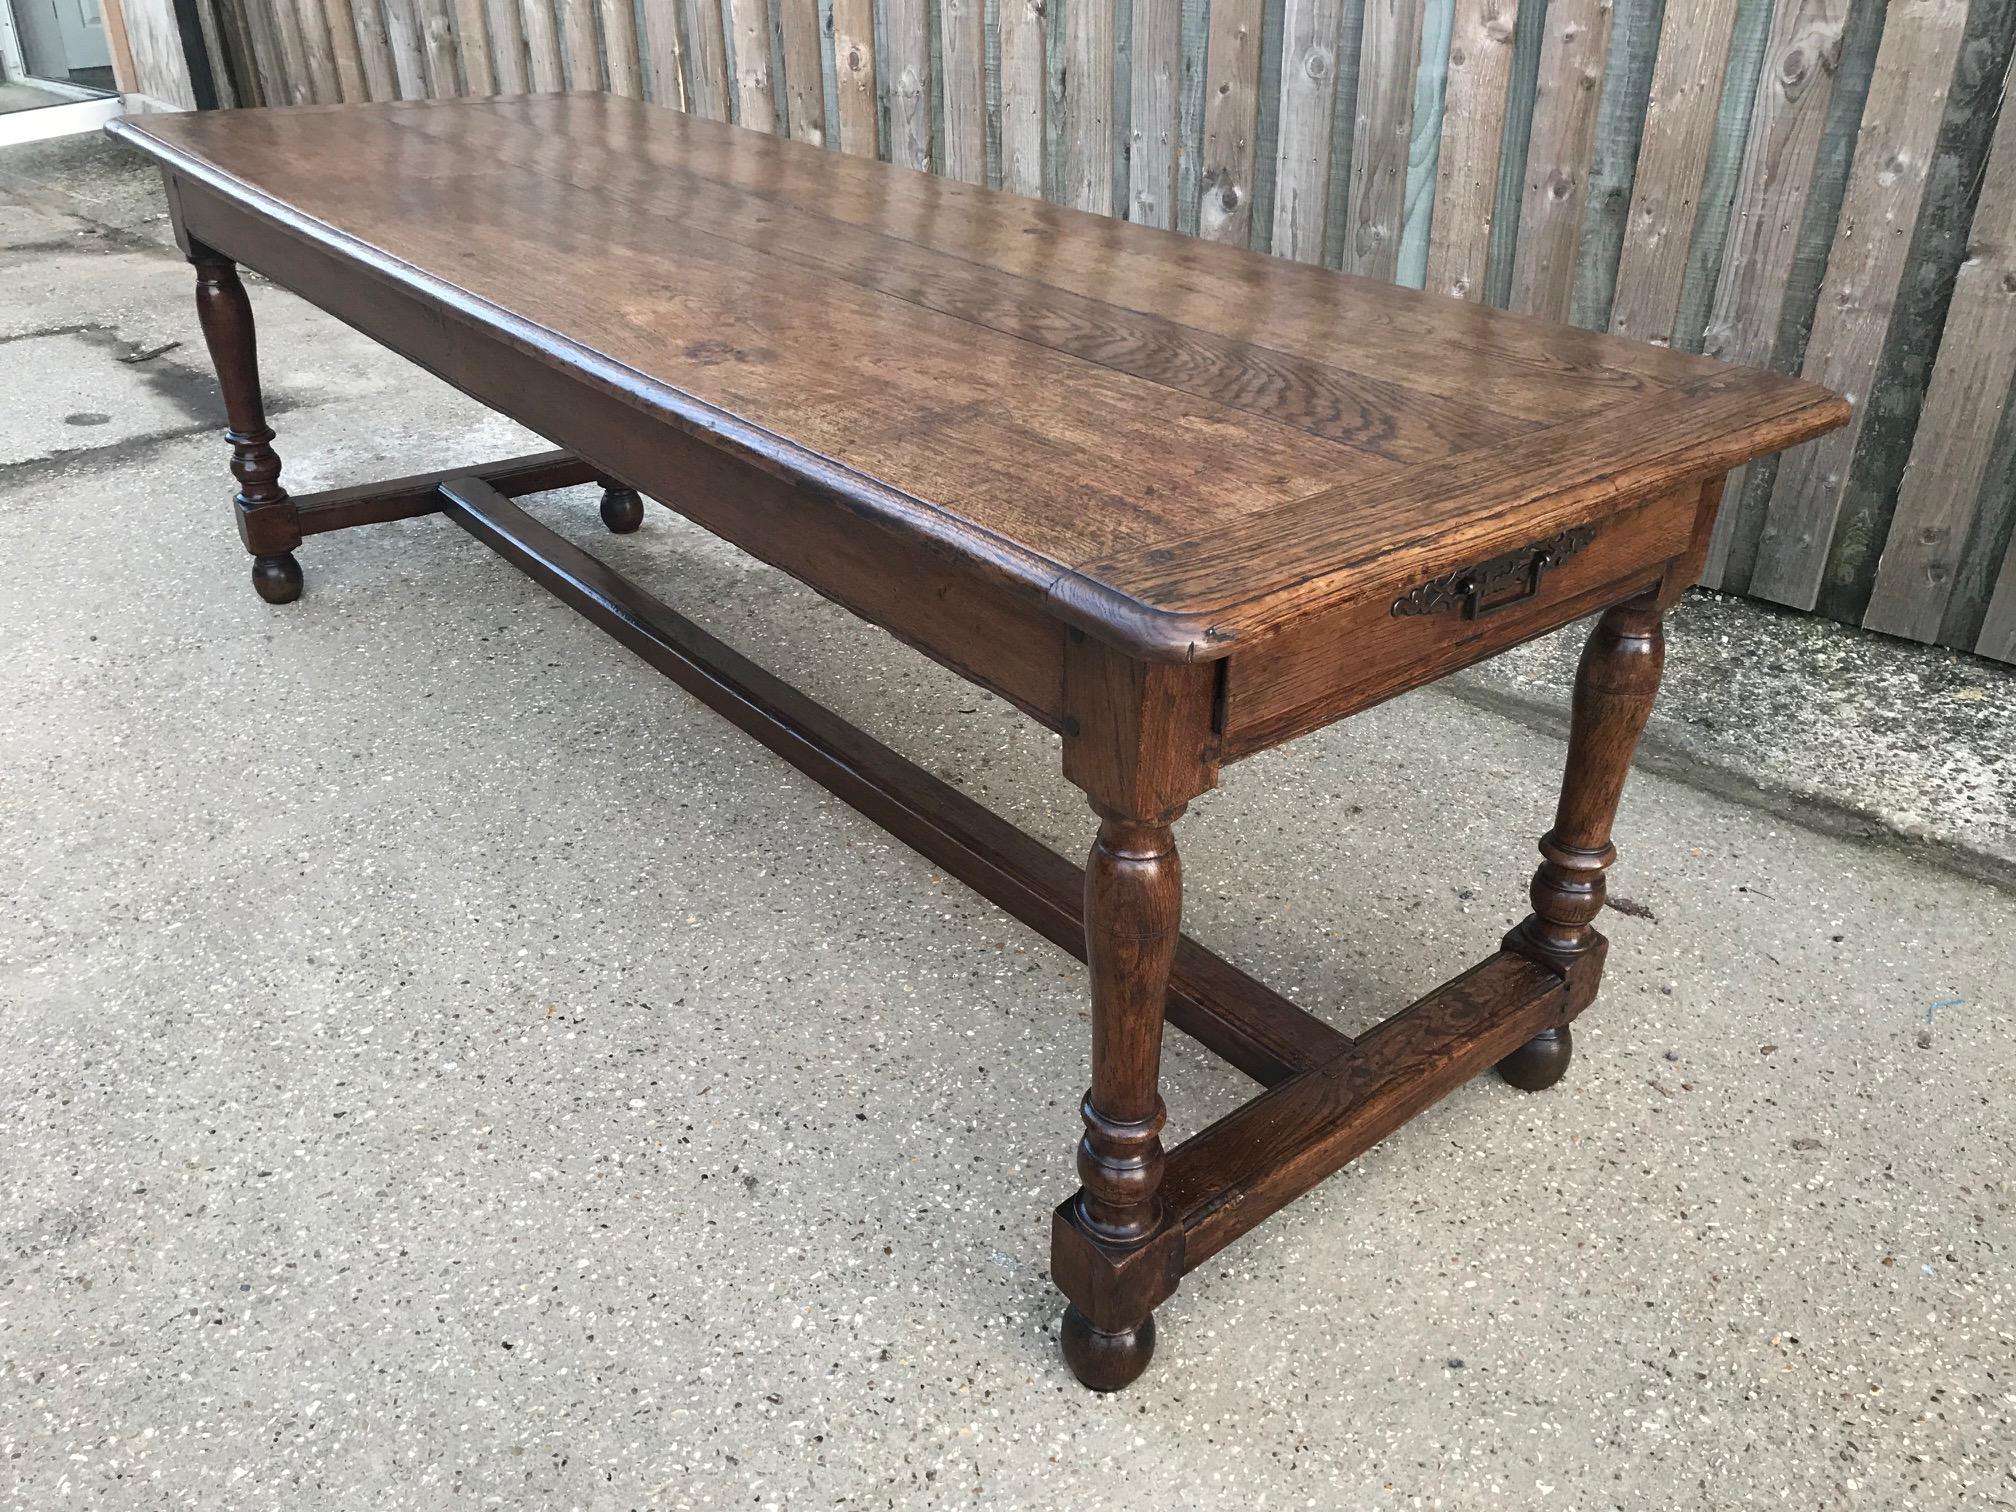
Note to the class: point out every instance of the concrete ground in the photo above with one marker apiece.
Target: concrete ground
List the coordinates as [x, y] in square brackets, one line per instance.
[440, 1065]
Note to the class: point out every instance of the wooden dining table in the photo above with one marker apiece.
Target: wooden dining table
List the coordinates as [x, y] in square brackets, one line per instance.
[1176, 501]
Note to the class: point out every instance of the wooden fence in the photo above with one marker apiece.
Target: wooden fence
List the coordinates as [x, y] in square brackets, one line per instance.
[1826, 186]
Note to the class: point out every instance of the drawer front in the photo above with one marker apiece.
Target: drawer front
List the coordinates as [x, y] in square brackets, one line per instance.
[1368, 652]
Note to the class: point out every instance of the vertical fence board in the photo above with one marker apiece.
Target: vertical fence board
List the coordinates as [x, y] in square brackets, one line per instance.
[1907, 96]
[1152, 111]
[1343, 130]
[854, 70]
[347, 55]
[507, 45]
[1231, 98]
[1383, 128]
[1938, 247]
[1998, 630]
[409, 54]
[754, 102]
[1718, 179]
[297, 83]
[318, 50]
[1087, 169]
[1473, 124]
[804, 73]
[438, 41]
[472, 38]
[1190, 114]
[1962, 414]
[1529, 41]
[1565, 100]
[269, 67]
[1424, 142]
[374, 46]
[1267, 125]
[619, 47]
[1779, 159]
[1991, 542]
[706, 59]
[542, 46]
[907, 83]
[1310, 31]
[1672, 165]
[578, 39]
[1022, 90]
[964, 53]
[1613, 156]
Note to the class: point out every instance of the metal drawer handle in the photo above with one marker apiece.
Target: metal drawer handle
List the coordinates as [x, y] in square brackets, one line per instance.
[1480, 591]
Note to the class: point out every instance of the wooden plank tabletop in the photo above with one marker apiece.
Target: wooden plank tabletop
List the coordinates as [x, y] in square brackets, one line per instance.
[1193, 443]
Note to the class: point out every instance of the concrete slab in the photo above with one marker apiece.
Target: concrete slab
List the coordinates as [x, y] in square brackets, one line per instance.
[440, 1065]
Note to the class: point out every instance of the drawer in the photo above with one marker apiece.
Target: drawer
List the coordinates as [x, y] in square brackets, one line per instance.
[1370, 651]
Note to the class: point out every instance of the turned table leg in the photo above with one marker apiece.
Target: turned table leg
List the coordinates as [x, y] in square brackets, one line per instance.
[1133, 914]
[266, 518]
[1614, 689]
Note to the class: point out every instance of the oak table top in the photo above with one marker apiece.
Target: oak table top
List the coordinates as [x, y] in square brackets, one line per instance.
[1188, 443]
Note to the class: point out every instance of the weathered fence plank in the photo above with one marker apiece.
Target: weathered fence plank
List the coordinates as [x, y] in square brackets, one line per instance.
[1672, 162]
[507, 45]
[1152, 113]
[1309, 42]
[1998, 630]
[1963, 410]
[707, 87]
[1086, 173]
[804, 75]
[349, 57]
[325, 86]
[1557, 156]
[1022, 89]
[1473, 124]
[1383, 127]
[906, 81]
[963, 49]
[1190, 114]
[1424, 143]
[409, 54]
[619, 47]
[854, 68]
[438, 42]
[1786, 122]
[749, 27]
[577, 36]
[542, 46]
[1231, 121]
[1893, 151]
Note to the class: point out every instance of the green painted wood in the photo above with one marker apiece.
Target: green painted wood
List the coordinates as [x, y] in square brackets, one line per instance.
[1613, 167]
[1725, 163]
[1990, 543]
[1424, 148]
[1343, 130]
[1527, 36]
[1267, 134]
[1864, 34]
[1939, 245]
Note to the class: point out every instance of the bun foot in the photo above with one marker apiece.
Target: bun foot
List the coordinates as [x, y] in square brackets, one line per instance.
[1106, 1361]
[622, 509]
[1541, 1061]
[277, 578]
